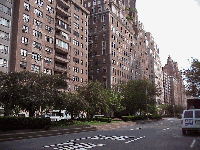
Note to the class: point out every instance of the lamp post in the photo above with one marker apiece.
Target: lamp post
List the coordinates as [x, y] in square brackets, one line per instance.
[147, 105]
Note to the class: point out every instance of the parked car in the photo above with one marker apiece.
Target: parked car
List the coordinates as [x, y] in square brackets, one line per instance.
[58, 115]
[190, 120]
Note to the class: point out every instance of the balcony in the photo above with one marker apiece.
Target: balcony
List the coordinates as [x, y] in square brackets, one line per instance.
[60, 68]
[64, 19]
[62, 11]
[64, 3]
[61, 58]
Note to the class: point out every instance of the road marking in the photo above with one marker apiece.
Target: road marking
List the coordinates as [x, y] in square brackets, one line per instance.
[193, 143]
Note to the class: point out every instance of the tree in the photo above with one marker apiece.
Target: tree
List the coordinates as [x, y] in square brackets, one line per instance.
[29, 91]
[137, 94]
[92, 93]
[113, 99]
[193, 79]
[10, 92]
[75, 103]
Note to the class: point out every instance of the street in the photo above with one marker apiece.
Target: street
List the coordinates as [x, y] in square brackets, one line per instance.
[165, 134]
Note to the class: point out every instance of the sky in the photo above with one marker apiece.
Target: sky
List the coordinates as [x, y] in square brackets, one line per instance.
[175, 26]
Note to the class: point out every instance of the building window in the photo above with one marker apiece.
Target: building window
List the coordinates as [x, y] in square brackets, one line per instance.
[76, 17]
[76, 51]
[24, 40]
[37, 23]
[50, 9]
[38, 13]
[49, 29]
[81, 71]
[4, 22]
[37, 45]
[26, 6]
[37, 34]
[3, 62]
[3, 49]
[39, 2]
[24, 29]
[36, 56]
[26, 18]
[94, 20]
[75, 78]
[62, 44]
[96, 38]
[48, 49]
[81, 62]
[75, 69]
[76, 60]
[85, 23]
[49, 39]
[51, 1]
[85, 72]
[103, 36]
[76, 25]
[99, 8]
[49, 19]
[103, 27]
[23, 64]
[76, 8]
[47, 71]
[5, 9]
[89, 4]
[94, 2]
[86, 31]
[48, 60]
[75, 42]
[23, 52]
[75, 87]
[35, 68]
[76, 34]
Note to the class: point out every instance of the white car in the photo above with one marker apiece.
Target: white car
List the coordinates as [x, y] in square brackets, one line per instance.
[190, 120]
[58, 115]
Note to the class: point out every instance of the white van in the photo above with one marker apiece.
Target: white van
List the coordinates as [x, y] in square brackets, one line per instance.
[190, 120]
[58, 115]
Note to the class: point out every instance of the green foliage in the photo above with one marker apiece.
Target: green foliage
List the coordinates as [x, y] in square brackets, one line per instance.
[156, 116]
[129, 17]
[103, 119]
[128, 118]
[29, 91]
[137, 94]
[193, 79]
[18, 123]
[92, 93]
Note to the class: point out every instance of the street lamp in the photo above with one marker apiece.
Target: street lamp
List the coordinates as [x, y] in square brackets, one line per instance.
[147, 105]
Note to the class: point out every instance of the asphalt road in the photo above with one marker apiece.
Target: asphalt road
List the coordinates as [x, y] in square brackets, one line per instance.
[161, 135]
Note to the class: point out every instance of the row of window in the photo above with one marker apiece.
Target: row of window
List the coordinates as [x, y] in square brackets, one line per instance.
[24, 40]
[34, 68]
[4, 22]
[36, 11]
[36, 22]
[76, 69]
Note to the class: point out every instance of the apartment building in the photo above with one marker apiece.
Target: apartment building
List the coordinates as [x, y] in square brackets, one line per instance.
[166, 87]
[177, 90]
[50, 36]
[111, 42]
[155, 67]
[6, 14]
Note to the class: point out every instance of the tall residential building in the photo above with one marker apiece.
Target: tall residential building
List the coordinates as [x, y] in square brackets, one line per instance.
[50, 36]
[111, 42]
[6, 14]
[177, 90]
[155, 68]
[166, 87]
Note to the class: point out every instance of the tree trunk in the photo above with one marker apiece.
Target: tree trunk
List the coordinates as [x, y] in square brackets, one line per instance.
[31, 113]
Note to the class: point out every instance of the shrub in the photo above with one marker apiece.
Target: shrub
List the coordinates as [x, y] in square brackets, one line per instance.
[103, 119]
[158, 117]
[18, 123]
[128, 118]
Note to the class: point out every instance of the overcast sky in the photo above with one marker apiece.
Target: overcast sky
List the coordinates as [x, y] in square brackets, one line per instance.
[175, 26]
